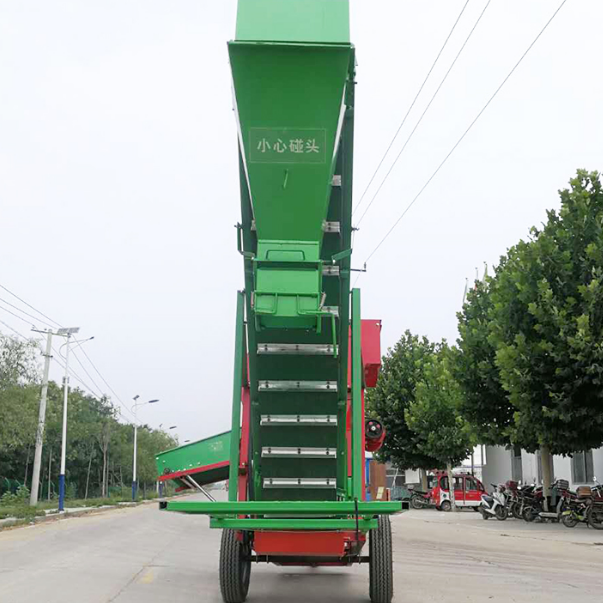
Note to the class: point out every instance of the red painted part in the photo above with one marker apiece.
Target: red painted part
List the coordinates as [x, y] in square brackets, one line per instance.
[317, 544]
[374, 445]
[371, 351]
[370, 333]
[177, 474]
[244, 446]
[309, 563]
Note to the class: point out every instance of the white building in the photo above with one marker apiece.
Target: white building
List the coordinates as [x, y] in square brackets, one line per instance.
[502, 464]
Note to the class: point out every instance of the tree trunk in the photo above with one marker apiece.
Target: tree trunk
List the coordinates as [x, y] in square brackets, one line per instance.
[27, 467]
[423, 477]
[88, 475]
[547, 477]
[104, 478]
[451, 486]
[49, 470]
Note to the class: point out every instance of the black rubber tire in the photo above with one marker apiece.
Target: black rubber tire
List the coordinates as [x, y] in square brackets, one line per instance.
[235, 568]
[595, 517]
[446, 506]
[416, 502]
[569, 521]
[515, 510]
[381, 568]
[502, 513]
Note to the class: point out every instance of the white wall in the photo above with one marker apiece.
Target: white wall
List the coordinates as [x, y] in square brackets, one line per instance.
[598, 464]
[497, 468]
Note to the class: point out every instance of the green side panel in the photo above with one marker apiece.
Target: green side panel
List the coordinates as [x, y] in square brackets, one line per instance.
[195, 455]
[294, 20]
[289, 102]
[331, 509]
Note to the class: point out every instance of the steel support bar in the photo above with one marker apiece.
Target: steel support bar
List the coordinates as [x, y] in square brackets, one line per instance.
[284, 507]
[293, 524]
[357, 427]
[236, 398]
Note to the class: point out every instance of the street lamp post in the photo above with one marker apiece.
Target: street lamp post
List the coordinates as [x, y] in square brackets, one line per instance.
[136, 404]
[65, 332]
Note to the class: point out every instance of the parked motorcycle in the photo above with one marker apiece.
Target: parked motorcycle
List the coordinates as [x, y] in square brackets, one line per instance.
[494, 505]
[419, 499]
[557, 503]
[585, 506]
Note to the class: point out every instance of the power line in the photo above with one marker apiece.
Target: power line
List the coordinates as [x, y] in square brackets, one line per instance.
[16, 315]
[425, 110]
[411, 106]
[76, 357]
[14, 330]
[56, 357]
[29, 305]
[106, 383]
[458, 142]
[36, 318]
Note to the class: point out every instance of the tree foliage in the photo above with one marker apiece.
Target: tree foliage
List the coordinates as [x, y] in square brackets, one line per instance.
[403, 367]
[441, 432]
[100, 446]
[485, 403]
[544, 316]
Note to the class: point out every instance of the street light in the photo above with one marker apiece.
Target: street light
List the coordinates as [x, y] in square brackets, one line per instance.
[135, 405]
[65, 332]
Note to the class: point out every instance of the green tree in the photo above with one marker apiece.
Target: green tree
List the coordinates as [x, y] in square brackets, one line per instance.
[403, 367]
[548, 325]
[485, 403]
[441, 432]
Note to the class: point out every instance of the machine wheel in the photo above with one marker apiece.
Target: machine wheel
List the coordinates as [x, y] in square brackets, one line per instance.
[501, 513]
[446, 506]
[235, 568]
[381, 571]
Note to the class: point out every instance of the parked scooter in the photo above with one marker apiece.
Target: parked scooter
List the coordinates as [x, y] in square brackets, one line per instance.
[494, 505]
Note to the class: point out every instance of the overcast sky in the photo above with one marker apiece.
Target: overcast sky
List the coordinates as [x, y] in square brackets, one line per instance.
[119, 183]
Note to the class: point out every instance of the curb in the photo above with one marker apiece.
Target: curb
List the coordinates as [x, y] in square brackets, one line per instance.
[13, 522]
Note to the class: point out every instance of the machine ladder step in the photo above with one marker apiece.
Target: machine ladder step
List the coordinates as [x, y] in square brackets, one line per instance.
[298, 386]
[283, 420]
[284, 452]
[303, 349]
[300, 482]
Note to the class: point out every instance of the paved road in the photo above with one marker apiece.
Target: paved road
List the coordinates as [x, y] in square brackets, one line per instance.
[140, 555]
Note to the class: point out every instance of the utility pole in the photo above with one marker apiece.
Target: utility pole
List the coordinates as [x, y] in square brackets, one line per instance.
[35, 478]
